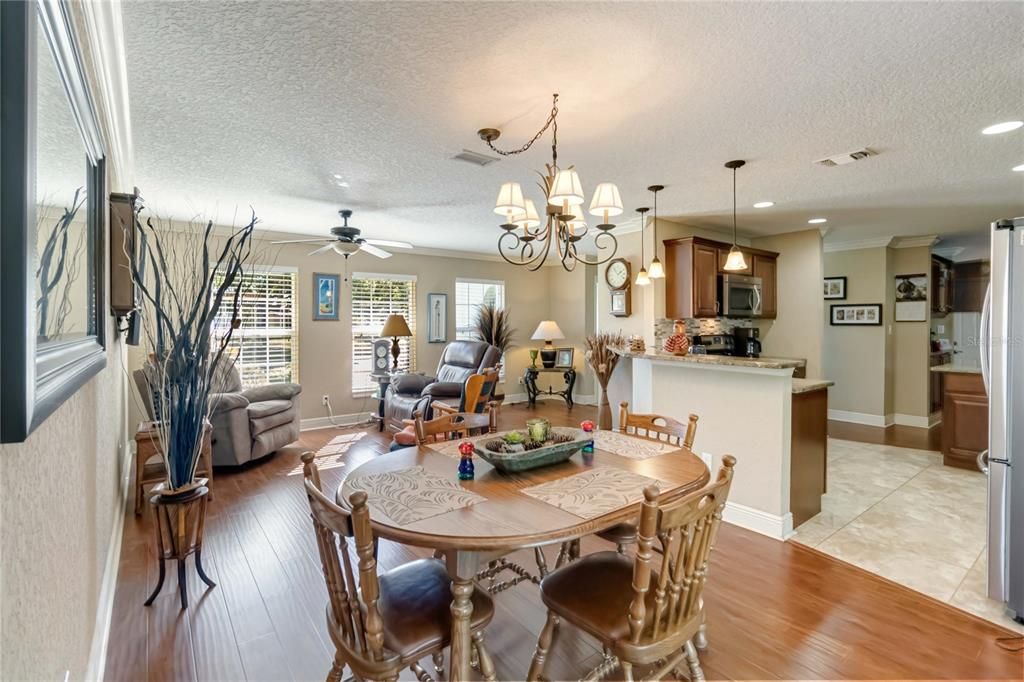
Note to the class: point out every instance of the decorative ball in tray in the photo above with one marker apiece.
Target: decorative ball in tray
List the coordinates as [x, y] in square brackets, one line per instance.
[517, 451]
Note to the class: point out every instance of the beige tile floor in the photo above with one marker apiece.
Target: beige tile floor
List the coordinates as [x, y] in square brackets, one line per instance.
[901, 514]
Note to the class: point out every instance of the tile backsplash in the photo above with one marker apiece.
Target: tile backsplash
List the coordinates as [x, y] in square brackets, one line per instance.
[701, 325]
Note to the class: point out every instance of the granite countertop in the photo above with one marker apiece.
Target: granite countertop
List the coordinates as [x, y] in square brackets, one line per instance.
[721, 360]
[952, 368]
[808, 385]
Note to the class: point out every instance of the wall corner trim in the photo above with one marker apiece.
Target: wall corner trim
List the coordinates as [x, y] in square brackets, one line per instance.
[772, 525]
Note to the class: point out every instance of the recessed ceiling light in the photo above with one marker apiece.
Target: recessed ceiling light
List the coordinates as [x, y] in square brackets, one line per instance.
[817, 221]
[1002, 127]
[1019, 169]
[341, 183]
[764, 204]
[336, 176]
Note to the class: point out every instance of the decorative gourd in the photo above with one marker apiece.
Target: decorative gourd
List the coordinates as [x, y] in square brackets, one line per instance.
[678, 343]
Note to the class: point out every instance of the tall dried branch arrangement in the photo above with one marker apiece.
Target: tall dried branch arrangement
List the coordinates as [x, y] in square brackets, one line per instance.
[57, 271]
[603, 360]
[494, 326]
[189, 276]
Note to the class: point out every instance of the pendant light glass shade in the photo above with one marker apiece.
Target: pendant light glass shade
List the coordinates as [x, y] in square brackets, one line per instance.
[657, 270]
[566, 189]
[606, 201]
[510, 200]
[735, 261]
[529, 219]
[642, 278]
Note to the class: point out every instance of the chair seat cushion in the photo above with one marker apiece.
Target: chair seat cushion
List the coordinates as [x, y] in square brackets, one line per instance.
[415, 605]
[621, 534]
[594, 594]
[265, 408]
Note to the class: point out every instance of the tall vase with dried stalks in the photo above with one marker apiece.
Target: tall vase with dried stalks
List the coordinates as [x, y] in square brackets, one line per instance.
[494, 325]
[185, 278]
[603, 360]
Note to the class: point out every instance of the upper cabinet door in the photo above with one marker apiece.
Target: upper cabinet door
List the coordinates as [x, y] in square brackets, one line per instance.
[765, 268]
[705, 281]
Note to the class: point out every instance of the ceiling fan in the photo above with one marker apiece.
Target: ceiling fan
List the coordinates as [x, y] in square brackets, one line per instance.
[346, 241]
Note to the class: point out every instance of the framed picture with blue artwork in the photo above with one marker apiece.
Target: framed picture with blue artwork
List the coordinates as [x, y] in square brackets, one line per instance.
[325, 296]
[437, 322]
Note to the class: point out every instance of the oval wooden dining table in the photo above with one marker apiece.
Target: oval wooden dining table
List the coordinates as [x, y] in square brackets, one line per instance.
[501, 517]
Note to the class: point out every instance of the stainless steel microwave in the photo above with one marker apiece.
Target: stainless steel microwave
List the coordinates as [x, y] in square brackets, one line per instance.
[739, 295]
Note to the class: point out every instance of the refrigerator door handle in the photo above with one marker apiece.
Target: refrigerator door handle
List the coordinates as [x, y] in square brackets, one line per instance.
[983, 337]
[983, 461]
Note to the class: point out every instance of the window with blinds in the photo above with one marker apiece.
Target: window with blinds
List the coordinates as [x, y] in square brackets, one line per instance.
[266, 344]
[470, 294]
[374, 297]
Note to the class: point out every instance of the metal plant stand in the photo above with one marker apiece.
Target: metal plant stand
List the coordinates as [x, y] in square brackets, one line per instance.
[179, 532]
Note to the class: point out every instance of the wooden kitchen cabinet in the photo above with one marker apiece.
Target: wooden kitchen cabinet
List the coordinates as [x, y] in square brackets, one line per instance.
[941, 286]
[692, 266]
[765, 267]
[935, 380]
[964, 419]
[970, 280]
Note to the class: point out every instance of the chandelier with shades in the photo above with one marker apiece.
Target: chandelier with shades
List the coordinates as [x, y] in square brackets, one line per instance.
[528, 236]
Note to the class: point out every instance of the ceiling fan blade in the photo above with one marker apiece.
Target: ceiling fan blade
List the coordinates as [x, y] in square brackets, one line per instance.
[388, 242]
[301, 241]
[374, 251]
[325, 247]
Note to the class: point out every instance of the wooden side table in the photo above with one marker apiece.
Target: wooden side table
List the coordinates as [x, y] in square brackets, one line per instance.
[147, 446]
[180, 522]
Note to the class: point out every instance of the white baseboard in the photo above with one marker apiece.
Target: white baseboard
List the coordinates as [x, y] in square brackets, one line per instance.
[778, 527]
[353, 419]
[935, 418]
[912, 420]
[859, 418]
[514, 398]
[108, 587]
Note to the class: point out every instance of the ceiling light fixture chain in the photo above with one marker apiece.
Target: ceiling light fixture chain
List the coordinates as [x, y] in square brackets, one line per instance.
[529, 233]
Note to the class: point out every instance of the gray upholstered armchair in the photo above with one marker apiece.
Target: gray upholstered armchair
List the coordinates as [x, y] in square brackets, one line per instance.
[409, 393]
[247, 424]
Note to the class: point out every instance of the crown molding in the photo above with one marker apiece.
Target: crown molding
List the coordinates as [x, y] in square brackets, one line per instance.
[877, 242]
[950, 252]
[914, 242]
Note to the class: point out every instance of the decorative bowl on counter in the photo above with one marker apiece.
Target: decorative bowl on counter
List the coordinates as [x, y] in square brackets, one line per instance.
[514, 451]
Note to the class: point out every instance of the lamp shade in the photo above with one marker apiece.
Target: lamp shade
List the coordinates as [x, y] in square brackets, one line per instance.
[547, 331]
[642, 278]
[510, 200]
[735, 261]
[566, 189]
[578, 221]
[529, 219]
[395, 325]
[657, 270]
[606, 201]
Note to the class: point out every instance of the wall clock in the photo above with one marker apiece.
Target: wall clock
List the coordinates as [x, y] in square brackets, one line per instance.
[619, 279]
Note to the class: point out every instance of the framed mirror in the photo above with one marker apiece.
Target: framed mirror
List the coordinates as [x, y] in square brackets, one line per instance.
[52, 208]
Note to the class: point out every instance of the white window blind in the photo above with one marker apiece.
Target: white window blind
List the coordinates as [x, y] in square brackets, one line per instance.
[266, 345]
[470, 294]
[374, 297]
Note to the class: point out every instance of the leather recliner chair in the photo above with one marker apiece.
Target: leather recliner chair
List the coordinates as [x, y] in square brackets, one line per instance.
[408, 393]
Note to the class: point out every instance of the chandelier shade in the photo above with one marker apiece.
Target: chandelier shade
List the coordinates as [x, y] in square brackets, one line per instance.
[529, 219]
[606, 201]
[510, 200]
[566, 189]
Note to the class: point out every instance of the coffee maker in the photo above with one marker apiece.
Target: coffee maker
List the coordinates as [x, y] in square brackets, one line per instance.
[748, 342]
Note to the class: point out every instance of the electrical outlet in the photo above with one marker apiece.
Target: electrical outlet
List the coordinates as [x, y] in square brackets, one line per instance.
[324, 399]
[940, 328]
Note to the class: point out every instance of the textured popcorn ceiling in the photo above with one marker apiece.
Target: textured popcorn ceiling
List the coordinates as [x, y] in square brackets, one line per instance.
[260, 103]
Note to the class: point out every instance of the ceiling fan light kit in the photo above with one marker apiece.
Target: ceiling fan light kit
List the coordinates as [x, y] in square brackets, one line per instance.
[345, 240]
[528, 237]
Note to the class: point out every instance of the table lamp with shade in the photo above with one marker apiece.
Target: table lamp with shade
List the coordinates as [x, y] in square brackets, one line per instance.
[547, 331]
[395, 326]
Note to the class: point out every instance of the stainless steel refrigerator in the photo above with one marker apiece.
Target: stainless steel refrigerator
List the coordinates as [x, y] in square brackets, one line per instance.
[1002, 368]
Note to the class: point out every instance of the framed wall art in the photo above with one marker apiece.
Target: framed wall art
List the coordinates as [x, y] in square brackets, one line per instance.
[437, 318]
[325, 296]
[835, 288]
[911, 298]
[865, 314]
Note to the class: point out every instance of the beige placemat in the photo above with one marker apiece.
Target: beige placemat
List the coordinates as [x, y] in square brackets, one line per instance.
[451, 448]
[409, 495]
[631, 446]
[593, 493]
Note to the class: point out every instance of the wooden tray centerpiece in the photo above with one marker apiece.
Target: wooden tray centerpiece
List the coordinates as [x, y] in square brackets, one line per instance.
[516, 451]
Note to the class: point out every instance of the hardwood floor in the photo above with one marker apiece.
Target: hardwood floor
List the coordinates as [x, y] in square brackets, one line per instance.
[900, 436]
[776, 610]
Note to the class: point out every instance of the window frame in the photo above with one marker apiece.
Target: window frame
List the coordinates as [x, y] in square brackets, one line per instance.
[360, 391]
[475, 280]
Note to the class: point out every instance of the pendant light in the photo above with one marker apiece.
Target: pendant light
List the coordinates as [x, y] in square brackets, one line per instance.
[657, 270]
[735, 261]
[642, 278]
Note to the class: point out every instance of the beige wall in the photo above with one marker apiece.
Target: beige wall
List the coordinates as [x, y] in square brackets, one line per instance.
[325, 347]
[797, 331]
[854, 357]
[910, 340]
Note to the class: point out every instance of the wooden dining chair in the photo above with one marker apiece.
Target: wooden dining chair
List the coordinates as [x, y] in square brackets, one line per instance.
[477, 394]
[452, 425]
[382, 624]
[650, 611]
[653, 427]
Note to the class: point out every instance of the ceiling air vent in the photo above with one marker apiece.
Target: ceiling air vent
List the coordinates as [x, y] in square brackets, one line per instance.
[848, 157]
[474, 158]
